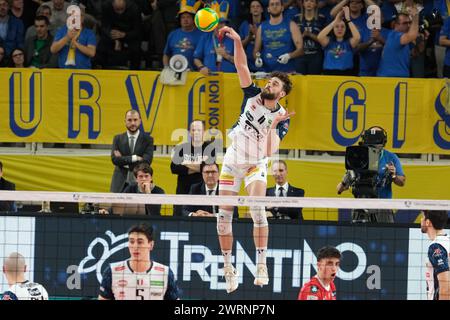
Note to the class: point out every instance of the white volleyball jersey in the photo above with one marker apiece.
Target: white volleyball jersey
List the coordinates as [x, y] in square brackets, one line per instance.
[26, 291]
[436, 262]
[249, 135]
[120, 282]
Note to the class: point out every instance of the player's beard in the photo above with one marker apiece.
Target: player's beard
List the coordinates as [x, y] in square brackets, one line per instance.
[267, 95]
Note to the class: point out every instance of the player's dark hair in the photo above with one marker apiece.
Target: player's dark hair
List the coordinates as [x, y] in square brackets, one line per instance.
[328, 252]
[144, 167]
[284, 77]
[438, 218]
[1, 166]
[144, 228]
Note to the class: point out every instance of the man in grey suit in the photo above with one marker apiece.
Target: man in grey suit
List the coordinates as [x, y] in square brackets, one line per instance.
[129, 149]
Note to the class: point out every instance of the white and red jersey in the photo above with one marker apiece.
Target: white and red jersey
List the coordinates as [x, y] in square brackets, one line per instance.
[314, 289]
[249, 135]
[120, 282]
[25, 291]
[436, 262]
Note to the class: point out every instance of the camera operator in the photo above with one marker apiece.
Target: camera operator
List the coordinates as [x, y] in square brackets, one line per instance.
[389, 170]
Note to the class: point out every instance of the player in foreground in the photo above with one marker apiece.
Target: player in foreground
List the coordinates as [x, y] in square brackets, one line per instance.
[437, 272]
[139, 278]
[255, 137]
[14, 268]
[321, 286]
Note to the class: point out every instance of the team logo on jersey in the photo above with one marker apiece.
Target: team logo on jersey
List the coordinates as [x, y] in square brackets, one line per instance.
[314, 289]
[6, 297]
[119, 268]
[122, 283]
[159, 269]
[437, 252]
[312, 298]
[140, 282]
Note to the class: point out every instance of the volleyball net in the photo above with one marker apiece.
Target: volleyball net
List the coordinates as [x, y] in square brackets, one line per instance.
[68, 253]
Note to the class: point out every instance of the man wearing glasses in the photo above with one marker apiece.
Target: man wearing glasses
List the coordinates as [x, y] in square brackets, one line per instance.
[209, 187]
[395, 60]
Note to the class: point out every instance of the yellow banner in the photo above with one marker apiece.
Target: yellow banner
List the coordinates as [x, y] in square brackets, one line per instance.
[331, 112]
[214, 122]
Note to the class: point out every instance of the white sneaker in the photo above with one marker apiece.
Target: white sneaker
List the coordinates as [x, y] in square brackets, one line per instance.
[231, 278]
[262, 276]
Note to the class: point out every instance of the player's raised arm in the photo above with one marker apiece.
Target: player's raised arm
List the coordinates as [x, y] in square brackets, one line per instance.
[240, 58]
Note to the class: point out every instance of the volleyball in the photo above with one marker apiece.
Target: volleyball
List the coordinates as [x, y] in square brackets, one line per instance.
[206, 19]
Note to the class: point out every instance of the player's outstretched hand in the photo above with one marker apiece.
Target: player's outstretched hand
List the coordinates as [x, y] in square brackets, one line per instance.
[282, 117]
[230, 33]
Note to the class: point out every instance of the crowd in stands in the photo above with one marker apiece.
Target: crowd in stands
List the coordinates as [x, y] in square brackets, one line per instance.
[301, 36]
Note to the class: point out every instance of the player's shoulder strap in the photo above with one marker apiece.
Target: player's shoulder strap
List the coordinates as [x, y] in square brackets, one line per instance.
[251, 91]
[159, 267]
[118, 266]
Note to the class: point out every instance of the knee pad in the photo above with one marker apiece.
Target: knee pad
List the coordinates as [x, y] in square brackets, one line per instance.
[259, 217]
[224, 222]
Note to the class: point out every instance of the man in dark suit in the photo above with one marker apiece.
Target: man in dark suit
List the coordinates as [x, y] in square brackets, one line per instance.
[129, 149]
[6, 185]
[284, 189]
[209, 187]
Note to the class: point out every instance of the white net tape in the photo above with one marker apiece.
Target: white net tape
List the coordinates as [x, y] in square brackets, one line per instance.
[340, 203]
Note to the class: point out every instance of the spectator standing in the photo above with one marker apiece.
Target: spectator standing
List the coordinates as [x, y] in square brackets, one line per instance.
[184, 40]
[186, 160]
[120, 35]
[248, 30]
[83, 41]
[37, 48]
[338, 50]
[59, 12]
[213, 54]
[43, 10]
[278, 41]
[128, 149]
[11, 29]
[395, 61]
[310, 24]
